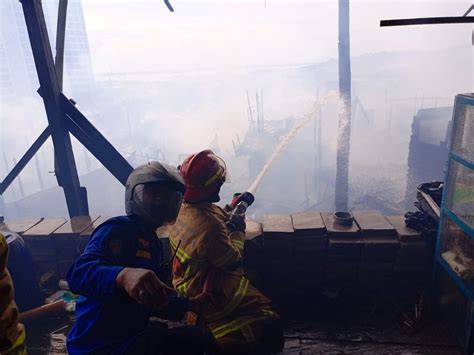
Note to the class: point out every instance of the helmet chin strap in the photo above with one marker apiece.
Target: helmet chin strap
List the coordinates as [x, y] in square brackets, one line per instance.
[215, 197]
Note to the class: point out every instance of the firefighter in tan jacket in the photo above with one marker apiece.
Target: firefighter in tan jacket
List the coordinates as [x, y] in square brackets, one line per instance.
[12, 334]
[208, 264]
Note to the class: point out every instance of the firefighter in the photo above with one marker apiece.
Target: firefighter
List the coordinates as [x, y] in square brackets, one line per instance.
[116, 276]
[12, 333]
[208, 264]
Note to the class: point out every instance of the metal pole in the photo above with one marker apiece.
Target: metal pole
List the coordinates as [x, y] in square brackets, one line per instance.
[50, 90]
[344, 136]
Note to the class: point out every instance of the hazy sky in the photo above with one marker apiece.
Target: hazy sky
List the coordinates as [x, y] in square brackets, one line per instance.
[133, 36]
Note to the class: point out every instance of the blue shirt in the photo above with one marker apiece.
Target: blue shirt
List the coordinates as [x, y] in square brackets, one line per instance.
[22, 271]
[107, 319]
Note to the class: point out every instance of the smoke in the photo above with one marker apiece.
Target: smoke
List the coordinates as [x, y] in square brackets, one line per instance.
[287, 138]
[166, 85]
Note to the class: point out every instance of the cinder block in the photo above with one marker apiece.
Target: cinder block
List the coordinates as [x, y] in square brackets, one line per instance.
[349, 247]
[278, 239]
[253, 247]
[274, 225]
[253, 230]
[380, 248]
[308, 277]
[308, 224]
[413, 253]
[335, 230]
[373, 224]
[404, 233]
[39, 237]
[40, 242]
[310, 239]
[84, 236]
[66, 237]
[310, 261]
[341, 272]
[20, 225]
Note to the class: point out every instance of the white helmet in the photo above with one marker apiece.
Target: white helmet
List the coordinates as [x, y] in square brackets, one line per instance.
[154, 192]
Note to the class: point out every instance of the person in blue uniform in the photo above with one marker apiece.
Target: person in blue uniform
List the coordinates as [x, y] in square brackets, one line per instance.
[116, 277]
[22, 270]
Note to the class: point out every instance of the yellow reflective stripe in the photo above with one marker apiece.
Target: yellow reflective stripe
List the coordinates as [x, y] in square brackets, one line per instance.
[233, 303]
[248, 334]
[209, 181]
[18, 347]
[172, 243]
[223, 259]
[235, 325]
[183, 288]
[214, 178]
[269, 313]
[238, 244]
[182, 256]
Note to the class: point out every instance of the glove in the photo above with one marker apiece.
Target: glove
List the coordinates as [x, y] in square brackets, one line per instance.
[236, 223]
[237, 197]
[235, 200]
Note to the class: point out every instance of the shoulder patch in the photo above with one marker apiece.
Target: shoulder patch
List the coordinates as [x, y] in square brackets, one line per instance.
[143, 242]
[115, 247]
[143, 254]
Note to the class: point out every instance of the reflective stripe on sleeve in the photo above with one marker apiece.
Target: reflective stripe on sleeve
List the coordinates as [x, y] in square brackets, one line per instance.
[183, 288]
[233, 303]
[225, 258]
[235, 325]
[182, 256]
[238, 244]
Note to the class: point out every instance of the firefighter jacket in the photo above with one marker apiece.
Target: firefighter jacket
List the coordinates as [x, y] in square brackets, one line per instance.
[208, 268]
[12, 334]
[107, 319]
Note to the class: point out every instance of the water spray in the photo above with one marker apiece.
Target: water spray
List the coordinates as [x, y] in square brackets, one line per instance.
[241, 202]
[294, 131]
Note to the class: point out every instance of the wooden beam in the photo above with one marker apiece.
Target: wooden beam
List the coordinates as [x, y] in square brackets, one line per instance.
[427, 21]
[50, 90]
[24, 160]
[95, 142]
[60, 39]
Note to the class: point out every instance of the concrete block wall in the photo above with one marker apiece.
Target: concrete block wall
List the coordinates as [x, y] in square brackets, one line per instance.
[304, 250]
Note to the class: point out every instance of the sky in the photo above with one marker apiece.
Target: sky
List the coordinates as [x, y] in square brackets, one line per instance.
[135, 36]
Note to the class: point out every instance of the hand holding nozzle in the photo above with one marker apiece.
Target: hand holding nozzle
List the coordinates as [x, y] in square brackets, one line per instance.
[238, 207]
[247, 197]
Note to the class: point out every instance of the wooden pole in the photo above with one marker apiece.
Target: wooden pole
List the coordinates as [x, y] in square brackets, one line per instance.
[60, 39]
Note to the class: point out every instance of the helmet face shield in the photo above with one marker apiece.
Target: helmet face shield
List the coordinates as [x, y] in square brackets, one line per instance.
[225, 177]
[157, 203]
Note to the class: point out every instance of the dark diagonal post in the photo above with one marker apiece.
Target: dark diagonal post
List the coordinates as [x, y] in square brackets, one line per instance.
[65, 166]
